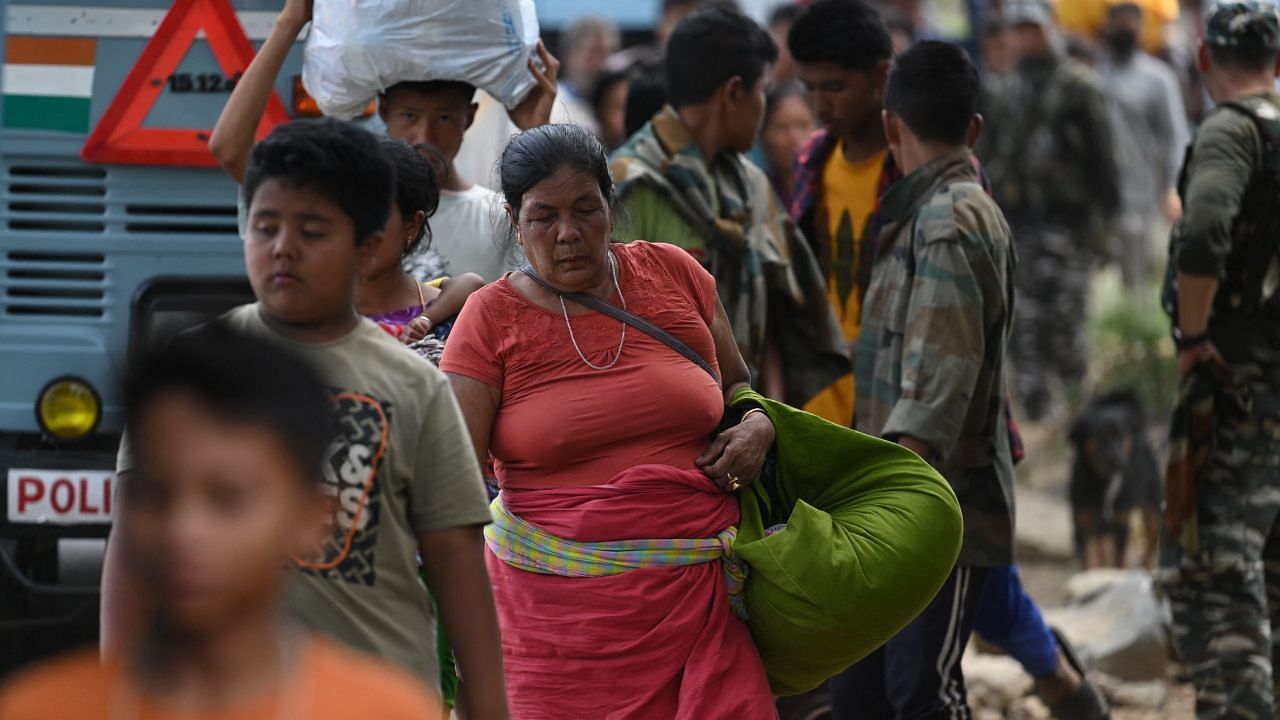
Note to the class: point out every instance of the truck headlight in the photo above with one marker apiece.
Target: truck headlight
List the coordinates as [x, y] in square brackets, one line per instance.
[68, 408]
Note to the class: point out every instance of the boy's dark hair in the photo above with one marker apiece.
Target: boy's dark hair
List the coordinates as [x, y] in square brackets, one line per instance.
[1248, 59]
[240, 378]
[849, 33]
[709, 47]
[466, 92]
[416, 186]
[338, 160]
[933, 86]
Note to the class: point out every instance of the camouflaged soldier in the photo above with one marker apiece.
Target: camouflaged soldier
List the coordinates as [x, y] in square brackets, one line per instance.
[1221, 559]
[1048, 152]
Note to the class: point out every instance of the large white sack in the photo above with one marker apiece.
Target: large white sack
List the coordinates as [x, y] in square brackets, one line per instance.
[358, 48]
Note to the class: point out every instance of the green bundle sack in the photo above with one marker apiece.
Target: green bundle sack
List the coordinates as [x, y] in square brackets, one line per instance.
[872, 533]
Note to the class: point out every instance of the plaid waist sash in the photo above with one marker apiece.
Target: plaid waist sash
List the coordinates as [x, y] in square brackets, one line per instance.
[525, 546]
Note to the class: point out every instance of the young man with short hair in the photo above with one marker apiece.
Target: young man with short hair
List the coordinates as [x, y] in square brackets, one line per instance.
[842, 51]
[684, 180]
[930, 366]
[401, 473]
[432, 116]
[230, 439]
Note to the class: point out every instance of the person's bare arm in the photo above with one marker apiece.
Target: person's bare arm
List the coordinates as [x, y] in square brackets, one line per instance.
[734, 372]
[450, 298]
[736, 457]
[535, 109]
[479, 405]
[233, 137]
[917, 446]
[453, 559]
[1222, 161]
[470, 596]
[453, 295]
[1195, 304]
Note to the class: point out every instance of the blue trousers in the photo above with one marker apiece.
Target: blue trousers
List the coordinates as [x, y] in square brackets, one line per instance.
[1009, 619]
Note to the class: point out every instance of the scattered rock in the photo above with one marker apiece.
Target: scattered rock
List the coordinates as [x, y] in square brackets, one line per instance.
[1148, 695]
[1084, 586]
[1117, 626]
[994, 682]
[1043, 530]
[1029, 708]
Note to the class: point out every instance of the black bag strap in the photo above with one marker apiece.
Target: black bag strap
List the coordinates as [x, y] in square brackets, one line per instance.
[629, 318]
[1254, 260]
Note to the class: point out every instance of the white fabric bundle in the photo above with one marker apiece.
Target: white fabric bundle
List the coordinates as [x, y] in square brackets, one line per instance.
[358, 48]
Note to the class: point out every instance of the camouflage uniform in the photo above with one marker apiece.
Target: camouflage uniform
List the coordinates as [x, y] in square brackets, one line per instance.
[930, 365]
[945, 263]
[1047, 148]
[1222, 572]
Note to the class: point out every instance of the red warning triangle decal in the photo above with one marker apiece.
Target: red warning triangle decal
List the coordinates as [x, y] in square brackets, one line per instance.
[119, 136]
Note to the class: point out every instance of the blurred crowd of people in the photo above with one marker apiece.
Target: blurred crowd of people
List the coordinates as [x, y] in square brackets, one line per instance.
[1122, 106]
[634, 281]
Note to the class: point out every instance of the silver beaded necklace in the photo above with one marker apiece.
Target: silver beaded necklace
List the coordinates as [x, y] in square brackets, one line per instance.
[613, 270]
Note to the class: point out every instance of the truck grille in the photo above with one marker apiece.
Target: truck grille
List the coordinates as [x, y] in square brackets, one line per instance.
[57, 198]
[62, 284]
[60, 221]
[180, 219]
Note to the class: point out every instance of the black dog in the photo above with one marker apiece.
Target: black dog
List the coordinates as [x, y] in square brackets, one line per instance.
[1115, 473]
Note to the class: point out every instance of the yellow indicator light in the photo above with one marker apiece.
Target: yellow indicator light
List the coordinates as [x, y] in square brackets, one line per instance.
[68, 408]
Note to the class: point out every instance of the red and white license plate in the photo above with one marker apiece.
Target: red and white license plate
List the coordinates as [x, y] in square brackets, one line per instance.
[60, 497]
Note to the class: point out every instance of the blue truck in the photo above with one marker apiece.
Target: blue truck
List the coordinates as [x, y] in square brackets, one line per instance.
[97, 260]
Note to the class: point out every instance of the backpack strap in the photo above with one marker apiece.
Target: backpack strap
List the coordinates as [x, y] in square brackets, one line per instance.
[1255, 260]
[1265, 116]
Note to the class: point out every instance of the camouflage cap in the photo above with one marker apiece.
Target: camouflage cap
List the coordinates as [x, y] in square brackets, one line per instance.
[1243, 24]
[1034, 12]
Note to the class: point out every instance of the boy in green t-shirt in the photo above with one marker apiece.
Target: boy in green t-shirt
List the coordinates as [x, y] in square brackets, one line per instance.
[401, 475]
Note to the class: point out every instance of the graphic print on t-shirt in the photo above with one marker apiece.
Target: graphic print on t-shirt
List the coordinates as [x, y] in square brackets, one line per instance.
[847, 247]
[351, 482]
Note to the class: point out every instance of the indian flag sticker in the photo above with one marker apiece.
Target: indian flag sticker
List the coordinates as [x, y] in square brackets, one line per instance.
[48, 83]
